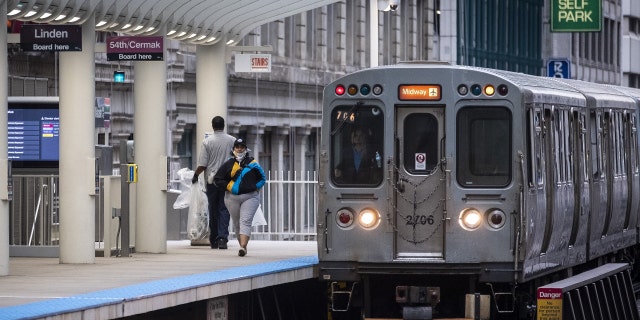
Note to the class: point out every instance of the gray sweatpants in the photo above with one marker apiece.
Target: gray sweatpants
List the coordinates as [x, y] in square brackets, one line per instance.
[242, 208]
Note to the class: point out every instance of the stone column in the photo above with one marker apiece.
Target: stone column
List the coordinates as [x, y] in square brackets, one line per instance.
[77, 151]
[151, 136]
[4, 178]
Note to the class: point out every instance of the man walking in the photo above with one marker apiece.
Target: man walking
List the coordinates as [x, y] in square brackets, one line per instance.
[215, 150]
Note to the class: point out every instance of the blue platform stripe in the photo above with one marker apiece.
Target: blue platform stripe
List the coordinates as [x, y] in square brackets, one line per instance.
[102, 298]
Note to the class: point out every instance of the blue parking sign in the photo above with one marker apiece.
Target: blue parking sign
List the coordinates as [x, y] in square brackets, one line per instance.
[559, 68]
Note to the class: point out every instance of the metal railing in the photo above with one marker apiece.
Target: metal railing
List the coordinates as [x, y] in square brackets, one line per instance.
[289, 202]
[34, 211]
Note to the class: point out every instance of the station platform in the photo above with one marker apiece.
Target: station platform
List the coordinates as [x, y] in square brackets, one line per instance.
[115, 287]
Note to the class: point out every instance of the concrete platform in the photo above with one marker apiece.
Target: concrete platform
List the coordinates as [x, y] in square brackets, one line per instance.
[122, 286]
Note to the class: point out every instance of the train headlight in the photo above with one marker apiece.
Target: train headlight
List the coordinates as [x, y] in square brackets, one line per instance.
[470, 219]
[496, 218]
[369, 218]
[344, 218]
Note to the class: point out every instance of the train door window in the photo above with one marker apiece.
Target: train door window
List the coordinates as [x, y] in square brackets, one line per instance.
[420, 138]
[596, 146]
[633, 143]
[483, 136]
[357, 132]
[583, 147]
[534, 143]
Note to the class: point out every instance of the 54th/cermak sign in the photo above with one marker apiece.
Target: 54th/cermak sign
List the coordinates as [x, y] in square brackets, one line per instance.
[135, 48]
[576, 15]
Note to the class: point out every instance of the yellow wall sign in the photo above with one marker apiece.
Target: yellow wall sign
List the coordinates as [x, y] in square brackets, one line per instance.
[549, 304]
[419, 92]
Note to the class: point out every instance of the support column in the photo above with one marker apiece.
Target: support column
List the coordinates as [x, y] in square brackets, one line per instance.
[4, 178]
[254, 141]
[302, 210]
[151, 136]
[373, 33]
[279, 138]
[77, 151]
[211, 88]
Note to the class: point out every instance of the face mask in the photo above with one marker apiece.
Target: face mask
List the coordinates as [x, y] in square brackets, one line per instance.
[240, 155]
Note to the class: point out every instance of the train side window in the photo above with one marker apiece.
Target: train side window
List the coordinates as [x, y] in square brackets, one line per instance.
[357, 133]
[483, 136]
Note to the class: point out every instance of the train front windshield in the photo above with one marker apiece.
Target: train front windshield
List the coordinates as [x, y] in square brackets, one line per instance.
[356, 145]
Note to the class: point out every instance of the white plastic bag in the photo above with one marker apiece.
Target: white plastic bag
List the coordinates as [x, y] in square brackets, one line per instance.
[193, 196]
[258, 218]
[185, 175]
[198, 219]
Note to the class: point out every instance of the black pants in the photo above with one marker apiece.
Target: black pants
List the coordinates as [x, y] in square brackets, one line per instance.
[218, 214]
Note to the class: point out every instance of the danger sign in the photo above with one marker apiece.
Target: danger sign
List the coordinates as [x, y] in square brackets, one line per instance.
[549, 304]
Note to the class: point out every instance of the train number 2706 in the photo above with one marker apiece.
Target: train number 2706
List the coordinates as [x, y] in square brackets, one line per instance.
[420, 219]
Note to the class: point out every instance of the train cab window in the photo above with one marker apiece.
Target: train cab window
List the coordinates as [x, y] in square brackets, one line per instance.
[356, 146]
[483, 147]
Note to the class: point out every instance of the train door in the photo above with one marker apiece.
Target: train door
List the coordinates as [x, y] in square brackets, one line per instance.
[418, 193]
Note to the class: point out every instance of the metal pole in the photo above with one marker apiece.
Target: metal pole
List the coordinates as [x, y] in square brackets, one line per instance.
[124, 201]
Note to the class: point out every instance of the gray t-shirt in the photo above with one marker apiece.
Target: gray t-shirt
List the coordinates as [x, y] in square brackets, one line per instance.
[216, 149]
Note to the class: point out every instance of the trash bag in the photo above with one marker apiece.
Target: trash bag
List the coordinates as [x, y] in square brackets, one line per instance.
[198, 219]
[193, 196]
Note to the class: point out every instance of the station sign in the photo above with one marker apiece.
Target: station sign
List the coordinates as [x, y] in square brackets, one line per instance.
[253, 63]
[135, 48]
[559, 68]
[44, 37]
[576, 15]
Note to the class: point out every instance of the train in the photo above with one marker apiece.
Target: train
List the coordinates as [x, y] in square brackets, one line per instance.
[441, 183]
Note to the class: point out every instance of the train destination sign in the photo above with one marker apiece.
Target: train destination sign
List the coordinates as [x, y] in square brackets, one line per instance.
[43, 37]
[576, 15]
[135, 48]
[419, 92]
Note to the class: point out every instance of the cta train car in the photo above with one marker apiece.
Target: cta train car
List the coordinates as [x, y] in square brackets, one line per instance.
[440, 184]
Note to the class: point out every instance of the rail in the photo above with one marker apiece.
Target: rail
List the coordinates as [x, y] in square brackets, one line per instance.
[289, 204]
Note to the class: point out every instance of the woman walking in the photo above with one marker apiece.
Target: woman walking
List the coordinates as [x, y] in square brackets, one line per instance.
[242, 177]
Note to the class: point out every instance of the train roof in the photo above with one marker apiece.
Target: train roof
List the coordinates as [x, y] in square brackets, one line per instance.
[540, 88]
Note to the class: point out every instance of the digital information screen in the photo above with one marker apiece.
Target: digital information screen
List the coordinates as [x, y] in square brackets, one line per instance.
[33, 134]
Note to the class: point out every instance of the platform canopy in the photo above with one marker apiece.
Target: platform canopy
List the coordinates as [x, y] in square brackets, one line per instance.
[194, 21]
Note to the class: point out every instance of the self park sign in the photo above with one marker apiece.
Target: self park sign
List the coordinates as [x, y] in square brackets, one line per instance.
[576, 15]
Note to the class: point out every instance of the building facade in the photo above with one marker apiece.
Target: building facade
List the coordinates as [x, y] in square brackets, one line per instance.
[279, 113]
